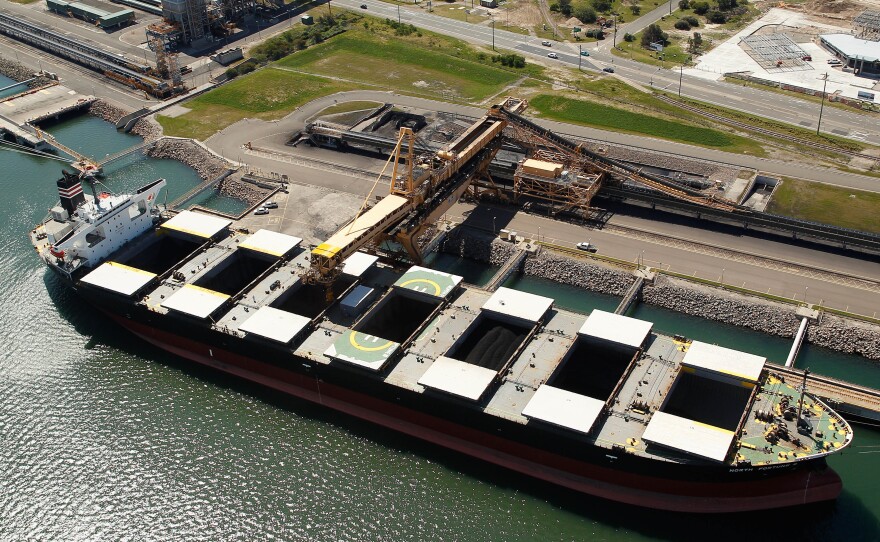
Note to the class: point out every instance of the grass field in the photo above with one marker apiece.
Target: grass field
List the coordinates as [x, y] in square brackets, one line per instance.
[621, 120]
[827, 204]
[419, 64]
[265, 94]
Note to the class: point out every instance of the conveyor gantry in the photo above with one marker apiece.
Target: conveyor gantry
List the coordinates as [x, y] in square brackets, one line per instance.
[416, 199]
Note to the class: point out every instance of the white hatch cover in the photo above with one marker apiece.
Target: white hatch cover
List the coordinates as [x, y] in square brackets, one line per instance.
[724, 360]
[616, 328]
[564, 408]
[195, 300]
[119, 278]
[689, 436]
[356, 264]
[428, 281]
[457, 378]
[275, 324]
[271, 242]
[522, 305]
[198, 224]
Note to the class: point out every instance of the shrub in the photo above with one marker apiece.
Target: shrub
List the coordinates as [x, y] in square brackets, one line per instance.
[693, 21]
[635, 10]
[681, 24]
[684, 4]
[510, 60]
[717, 17]
[601, 5]
[700, 8]
[585, 14]
[629, 37]
[725, 5]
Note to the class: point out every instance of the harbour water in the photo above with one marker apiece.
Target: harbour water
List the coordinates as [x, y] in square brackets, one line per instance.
[105, 438]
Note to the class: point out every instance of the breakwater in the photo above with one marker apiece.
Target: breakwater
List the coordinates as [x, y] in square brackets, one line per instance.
[752, 312]
[207, 165]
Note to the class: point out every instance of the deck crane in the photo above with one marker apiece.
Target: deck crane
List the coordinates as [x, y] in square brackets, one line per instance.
[422, 190]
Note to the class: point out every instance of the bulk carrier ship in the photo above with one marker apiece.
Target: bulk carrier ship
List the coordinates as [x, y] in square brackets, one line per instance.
[600, 404]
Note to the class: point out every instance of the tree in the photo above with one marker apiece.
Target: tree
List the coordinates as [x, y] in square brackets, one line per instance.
[629, 37]
[693, 21]
[653, 34]
[565, 7]
[585, 14]
[726, 5]
[681, 24]
[684, 4]
[601, 5]
[695, 42]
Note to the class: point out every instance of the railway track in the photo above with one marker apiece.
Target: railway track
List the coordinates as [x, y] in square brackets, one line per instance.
[765, 131]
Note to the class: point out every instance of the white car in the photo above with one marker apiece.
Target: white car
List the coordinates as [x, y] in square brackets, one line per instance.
[261, 211]
[546, 43]
[552, 55]
[586, 246]
[270, 205]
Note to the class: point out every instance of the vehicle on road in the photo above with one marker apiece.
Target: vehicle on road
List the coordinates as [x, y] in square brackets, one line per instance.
[270, 205]
[546, 43]
[808, 58]
[552, 55]
[261, 211]
[609, 69]
[589, 247]
[585, 53]
[363, 6]
[833, 61]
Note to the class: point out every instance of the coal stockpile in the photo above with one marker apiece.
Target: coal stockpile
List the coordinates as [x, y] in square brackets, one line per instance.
[241, 270]
[591, 370]
[490, 344]
[162, 255]
[310, 300]
[707, 401]
[397, 317]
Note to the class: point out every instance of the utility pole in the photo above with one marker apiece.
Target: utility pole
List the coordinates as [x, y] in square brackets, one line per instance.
[670, 7]
[614, 45]
[493, 33]
[398, 14]
[822, 104]
[580, 52]
[680, 75]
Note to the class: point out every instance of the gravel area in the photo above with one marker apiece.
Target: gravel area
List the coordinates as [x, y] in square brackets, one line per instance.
[188, 152]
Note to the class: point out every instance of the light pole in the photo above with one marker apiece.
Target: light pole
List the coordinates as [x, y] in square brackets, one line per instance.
[805, 294]
[722, 276]
[822, 104]
[580, 56]
[493, 225]
[398, 13]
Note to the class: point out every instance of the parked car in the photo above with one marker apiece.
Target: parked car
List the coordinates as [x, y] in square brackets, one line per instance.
[270, 205]
[585, 53]
[546, 43]
[261, 211]
[589, 247]
[808, 58]
[552, 55]
[609, 69]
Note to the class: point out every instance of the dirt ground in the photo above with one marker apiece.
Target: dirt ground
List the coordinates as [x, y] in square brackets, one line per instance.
[826, 11]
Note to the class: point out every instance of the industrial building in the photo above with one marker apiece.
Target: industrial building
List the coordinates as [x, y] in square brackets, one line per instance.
[862, 55]
[91, 14]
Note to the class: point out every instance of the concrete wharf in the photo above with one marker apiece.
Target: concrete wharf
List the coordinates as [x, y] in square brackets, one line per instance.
[38, 105]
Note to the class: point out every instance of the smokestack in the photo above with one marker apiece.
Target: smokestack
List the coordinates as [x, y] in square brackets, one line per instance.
[70, 191]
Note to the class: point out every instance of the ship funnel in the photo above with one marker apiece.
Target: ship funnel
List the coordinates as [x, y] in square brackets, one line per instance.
[70, 191]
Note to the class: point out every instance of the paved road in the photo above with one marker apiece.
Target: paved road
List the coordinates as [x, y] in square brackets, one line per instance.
[754, 101]
[275, 135]
[678, 257]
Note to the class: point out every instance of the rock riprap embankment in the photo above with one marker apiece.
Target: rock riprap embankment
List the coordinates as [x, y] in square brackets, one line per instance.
[579, 273]
[144, 127]
[845, 335]
[19, 72]
[478, 246]
[206, 164]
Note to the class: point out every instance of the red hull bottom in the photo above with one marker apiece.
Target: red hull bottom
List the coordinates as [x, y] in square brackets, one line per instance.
[787, 489]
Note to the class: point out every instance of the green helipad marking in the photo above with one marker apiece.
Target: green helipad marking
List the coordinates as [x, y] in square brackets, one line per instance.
[428, 281]
[363, 349]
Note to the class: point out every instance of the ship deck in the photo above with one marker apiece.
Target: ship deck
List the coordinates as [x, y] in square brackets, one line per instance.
[515, 357]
